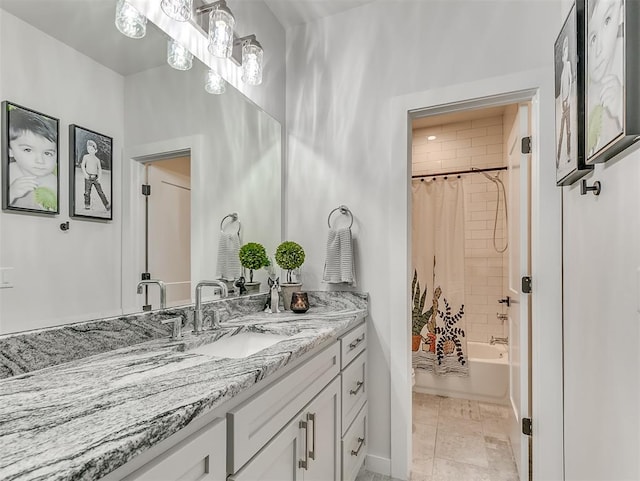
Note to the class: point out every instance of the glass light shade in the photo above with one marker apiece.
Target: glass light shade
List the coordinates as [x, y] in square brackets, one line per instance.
[129, 21]
[252, 63]
[178, 56]
[214, 83]
[179, 10]
[221, 25]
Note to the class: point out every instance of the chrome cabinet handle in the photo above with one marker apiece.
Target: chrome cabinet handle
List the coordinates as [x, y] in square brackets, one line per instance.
[355, 343]
[359, 385]
[360, 444]
[304, 463]
[311, 417]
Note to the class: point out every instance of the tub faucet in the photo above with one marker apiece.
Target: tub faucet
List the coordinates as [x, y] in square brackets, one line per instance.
[499, 340]
[163, 290]
[198, 313]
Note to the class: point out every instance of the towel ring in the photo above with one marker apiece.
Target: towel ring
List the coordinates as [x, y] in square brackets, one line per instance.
[344, 210]
[234, 218]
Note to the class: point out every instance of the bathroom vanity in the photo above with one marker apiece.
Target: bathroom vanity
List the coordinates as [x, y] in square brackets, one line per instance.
[161, 409]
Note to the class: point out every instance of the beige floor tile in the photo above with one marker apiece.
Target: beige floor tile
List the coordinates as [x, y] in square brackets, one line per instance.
[422, 466]
[447, 470]
[493, 411]
[459, 408]
[459, 426]
[425, 415]
[426, 399]
[500, 455]
[496, 427]
[464, 449]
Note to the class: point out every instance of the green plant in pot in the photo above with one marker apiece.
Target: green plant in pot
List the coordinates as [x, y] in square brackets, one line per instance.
[289, 256]
[253, 256]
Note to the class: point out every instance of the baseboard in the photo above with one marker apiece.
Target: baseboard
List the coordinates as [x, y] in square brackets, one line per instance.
[379, 465]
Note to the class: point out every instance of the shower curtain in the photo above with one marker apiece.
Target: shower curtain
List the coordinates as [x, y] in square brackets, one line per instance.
[437, 292]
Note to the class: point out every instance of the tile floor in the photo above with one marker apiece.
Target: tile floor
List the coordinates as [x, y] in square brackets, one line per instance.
[458, 439]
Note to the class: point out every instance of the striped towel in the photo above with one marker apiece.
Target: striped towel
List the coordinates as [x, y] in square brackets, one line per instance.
[228, 261]
[339, 266]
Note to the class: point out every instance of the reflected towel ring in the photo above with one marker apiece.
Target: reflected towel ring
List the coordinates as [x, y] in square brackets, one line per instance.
[234, 218]
[344, 210]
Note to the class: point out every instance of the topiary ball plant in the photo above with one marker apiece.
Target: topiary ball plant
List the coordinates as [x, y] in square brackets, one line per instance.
[289, 256]
[253, 256]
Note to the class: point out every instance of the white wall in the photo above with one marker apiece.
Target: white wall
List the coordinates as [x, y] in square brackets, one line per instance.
[601, 323]
[60, 276]
[341, 80]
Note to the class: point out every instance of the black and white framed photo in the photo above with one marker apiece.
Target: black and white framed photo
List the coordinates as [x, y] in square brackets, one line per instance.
[90, 173]
[30, 163]
[612, 86]
[569, 95]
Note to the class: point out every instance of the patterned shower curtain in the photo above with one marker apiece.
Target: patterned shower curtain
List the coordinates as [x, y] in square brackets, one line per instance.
[437, 294]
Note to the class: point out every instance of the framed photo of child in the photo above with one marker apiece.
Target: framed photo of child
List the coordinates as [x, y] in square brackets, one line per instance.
[30, 164]
[612, 41]
[569, 95]
[90, 174]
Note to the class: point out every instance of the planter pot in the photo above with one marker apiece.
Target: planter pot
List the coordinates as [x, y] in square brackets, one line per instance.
[415, 342]
[287, 291]
[252, 287]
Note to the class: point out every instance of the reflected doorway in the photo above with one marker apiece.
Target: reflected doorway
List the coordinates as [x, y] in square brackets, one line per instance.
[168, 229]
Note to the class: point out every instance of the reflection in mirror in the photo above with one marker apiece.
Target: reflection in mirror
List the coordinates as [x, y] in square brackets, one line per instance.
[205, 155]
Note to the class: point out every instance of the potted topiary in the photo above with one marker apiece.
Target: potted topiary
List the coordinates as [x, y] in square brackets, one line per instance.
[253, 256]
[289, 256]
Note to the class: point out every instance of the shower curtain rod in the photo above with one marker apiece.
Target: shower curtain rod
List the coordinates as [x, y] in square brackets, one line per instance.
[459, 172]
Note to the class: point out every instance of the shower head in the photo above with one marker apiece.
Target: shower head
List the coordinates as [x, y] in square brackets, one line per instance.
[492, 179]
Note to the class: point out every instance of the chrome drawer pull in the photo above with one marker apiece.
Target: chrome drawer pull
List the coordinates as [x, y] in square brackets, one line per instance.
[360, 444]
[355, 343]
[304, 463]
[359, 385]
[311, 417]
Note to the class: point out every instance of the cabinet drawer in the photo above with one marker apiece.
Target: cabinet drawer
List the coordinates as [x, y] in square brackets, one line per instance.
[199, 457]
[352, 344]
[354, 446]
[253, 423]
[354, 389]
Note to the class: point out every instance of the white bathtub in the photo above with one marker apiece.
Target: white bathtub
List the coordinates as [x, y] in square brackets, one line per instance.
[488, 376]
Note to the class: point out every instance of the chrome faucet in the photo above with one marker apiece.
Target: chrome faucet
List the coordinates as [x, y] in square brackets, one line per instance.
[499, 340]
[163, 290]
[198, 314]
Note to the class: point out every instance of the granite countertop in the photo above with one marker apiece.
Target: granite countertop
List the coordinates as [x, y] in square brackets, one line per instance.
[84, 418]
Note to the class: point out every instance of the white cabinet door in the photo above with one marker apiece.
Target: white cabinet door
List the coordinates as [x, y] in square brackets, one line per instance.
[323, 435]
[279, 460]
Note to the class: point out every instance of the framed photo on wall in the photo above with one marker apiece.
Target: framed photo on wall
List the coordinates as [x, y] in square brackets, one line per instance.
[30, 164]
[90, 174]
[569, 98]
[612, 86]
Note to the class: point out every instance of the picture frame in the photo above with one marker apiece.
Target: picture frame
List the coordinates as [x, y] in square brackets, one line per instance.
[90, 174]
[612, 40]
[30, 161]
[569, 98]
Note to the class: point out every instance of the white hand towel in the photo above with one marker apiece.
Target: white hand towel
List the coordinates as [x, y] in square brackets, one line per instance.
[228, 261]
[339, 266]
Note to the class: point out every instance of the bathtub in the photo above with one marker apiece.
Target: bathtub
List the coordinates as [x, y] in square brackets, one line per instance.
[488, 379]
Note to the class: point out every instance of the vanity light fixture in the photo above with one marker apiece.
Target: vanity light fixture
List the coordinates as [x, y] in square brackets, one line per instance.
[179, 10]
[129, 21]
[252, 60]
[221, 25]
[178, 56]
[214, 83]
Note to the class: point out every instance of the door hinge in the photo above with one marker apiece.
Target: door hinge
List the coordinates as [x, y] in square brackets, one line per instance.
[146, 189]
[526, 145]
[526, 426]
[145, 276]
[526, 285]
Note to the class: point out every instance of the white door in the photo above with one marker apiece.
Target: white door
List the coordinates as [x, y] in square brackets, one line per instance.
[169, 229]
[518, 204]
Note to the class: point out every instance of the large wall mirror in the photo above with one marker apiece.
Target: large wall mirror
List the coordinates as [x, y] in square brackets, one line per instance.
[205, 156]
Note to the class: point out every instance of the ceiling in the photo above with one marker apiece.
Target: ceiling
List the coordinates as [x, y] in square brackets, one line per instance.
[461, 116]
[295, 12]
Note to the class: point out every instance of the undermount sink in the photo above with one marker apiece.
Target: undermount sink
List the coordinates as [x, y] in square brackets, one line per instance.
[240, 345]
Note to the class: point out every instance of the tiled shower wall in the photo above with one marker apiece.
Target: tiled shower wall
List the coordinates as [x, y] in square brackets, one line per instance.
[460, 146]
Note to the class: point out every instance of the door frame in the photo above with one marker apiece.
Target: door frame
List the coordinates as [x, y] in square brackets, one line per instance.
[135, 159]
[546, 260]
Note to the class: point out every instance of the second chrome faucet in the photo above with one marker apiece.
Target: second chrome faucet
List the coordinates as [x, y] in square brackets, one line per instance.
[198, 314]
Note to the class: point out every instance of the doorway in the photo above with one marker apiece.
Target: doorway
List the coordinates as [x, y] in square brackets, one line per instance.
[469, 365]
[168, 228]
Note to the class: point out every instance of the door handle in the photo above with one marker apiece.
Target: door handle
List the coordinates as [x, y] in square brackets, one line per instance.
[304, 463]
[311, 417]
[360, 444]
